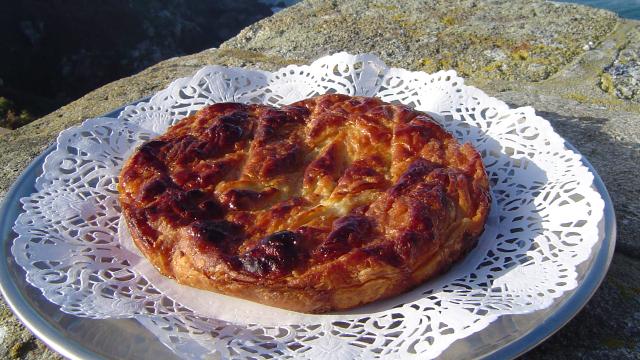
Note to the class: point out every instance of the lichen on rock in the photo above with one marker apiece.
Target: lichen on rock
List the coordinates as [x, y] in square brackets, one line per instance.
[622, 77]
[515, 40]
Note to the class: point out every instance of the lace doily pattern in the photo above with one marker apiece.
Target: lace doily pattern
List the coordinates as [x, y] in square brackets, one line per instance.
[543, 223]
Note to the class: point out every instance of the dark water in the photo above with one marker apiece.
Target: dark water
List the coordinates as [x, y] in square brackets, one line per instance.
[625, 8]
[52, 52]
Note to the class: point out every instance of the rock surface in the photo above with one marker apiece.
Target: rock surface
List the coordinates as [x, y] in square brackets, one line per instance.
[559, 72]
[623, 76]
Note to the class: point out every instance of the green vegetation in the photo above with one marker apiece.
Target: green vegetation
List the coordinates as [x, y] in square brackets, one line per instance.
[10, 117]
[606, 84]
[449, 20]
[613, 343]
[521, 52]
[606, 102]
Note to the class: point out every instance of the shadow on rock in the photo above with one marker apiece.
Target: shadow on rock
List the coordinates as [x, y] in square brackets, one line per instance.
[618, 164]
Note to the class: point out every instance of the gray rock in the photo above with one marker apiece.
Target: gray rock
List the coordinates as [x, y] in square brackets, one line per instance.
[438, 34]
[17, 343]
[609, 325]
[544, 66]
[622, 77]
[495, 54]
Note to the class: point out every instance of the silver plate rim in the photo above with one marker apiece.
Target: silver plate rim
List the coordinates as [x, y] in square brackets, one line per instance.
[72, 349]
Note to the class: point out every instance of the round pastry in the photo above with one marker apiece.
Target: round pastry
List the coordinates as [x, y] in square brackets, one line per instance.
[324, 204]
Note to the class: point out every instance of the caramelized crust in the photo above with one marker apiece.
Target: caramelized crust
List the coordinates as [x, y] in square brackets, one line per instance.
[325, 204]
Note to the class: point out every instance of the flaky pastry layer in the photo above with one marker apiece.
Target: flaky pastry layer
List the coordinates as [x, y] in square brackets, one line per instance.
[325, 204]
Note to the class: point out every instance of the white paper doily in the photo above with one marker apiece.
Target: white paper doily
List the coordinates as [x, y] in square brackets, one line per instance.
[543, 223]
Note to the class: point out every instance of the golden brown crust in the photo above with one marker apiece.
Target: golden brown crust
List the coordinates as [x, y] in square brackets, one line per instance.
[325, 204]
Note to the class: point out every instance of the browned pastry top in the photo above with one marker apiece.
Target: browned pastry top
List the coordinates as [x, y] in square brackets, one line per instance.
[324, 204]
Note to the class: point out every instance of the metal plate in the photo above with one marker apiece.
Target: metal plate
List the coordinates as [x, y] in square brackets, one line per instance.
[82, 338]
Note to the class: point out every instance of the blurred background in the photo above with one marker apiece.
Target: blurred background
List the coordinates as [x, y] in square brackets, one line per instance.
[52, 52]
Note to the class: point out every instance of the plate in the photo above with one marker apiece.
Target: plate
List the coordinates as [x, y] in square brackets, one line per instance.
[73, 336]
[82, 338]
